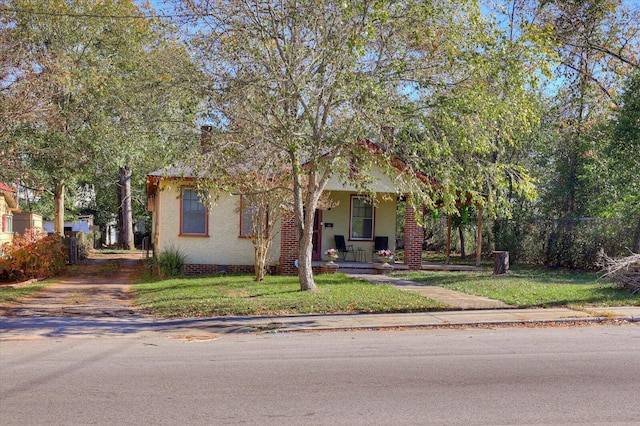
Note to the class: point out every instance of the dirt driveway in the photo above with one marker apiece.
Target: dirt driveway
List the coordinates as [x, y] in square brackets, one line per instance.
[97, 288]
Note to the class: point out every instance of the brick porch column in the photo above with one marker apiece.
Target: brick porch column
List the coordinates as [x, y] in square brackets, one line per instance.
[412, 240]
[288, 246]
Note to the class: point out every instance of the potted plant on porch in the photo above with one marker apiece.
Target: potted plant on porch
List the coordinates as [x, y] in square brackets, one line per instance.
[331, 255]
[385, 256]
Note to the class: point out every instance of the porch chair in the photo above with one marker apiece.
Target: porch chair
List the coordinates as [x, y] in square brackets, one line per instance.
[342, 248]
[380, 243]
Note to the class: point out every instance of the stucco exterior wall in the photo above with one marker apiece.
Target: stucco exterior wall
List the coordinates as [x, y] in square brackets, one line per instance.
[381, 183]
[222, 246]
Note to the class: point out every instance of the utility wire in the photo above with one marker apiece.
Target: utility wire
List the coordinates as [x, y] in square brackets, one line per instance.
[6, 9]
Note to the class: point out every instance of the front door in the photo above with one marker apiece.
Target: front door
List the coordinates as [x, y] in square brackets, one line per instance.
[316, 253]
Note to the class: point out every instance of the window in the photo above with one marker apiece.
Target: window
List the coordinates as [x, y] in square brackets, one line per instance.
[7, 223]
[248, 214]
[361, 218]
[193, 218]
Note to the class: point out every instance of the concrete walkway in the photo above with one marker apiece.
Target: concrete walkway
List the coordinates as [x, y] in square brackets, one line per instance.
[454, 299]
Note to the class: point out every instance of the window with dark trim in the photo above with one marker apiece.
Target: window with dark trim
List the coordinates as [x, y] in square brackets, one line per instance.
[193, 219]
[362, 218]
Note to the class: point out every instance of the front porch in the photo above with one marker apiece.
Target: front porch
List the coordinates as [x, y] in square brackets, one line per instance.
[347, 267]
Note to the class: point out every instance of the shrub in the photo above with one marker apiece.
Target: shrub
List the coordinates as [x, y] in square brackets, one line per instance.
[171, 262]
[33, 255]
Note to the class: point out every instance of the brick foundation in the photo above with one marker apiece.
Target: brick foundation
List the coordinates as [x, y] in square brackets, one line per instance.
[203, 269]
[326, 269]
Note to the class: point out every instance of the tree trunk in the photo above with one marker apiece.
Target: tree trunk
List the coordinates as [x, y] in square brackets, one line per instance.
[259, 263]
[58, 208]
[501, 262]
[304, 224]
[463, 253]
[261, 244]
[126, 226]
[119, 234]
[636, 239]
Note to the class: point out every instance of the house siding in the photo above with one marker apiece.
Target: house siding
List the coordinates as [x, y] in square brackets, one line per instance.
[381, 182]
[5, 237]
[221, 247]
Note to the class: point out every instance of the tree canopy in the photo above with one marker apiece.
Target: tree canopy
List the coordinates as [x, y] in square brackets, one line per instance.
[311, 80]
[109, 86]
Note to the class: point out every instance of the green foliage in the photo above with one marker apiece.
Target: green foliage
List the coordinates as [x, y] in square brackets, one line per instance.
[309, 91]
[562, 243]
[276, 295]
[109, 92]
[171, 262]
[33, 255]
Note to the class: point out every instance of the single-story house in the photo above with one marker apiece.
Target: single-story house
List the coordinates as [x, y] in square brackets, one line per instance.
[217, 239]
[7, 206]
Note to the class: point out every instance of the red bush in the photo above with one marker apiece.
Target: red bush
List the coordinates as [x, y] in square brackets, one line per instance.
[33, 255]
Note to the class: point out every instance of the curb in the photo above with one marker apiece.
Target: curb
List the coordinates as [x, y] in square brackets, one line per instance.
[483, 324]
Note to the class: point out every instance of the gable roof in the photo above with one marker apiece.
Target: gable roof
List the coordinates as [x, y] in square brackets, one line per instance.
[184, 172]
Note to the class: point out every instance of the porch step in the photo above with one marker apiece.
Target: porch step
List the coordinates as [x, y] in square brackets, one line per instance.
[367, 271]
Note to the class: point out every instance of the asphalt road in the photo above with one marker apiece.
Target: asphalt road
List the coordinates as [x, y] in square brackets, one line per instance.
[582, 375]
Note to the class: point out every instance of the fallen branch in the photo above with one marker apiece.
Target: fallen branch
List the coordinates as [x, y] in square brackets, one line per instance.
[625, 270]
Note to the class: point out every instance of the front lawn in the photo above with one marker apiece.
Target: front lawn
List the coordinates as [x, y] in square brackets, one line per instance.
[277, 295]
[527, 287]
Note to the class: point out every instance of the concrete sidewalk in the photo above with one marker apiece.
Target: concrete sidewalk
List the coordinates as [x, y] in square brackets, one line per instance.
[23, 328]
[444, 318]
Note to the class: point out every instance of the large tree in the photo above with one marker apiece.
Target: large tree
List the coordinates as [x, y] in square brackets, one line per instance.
[624, 155]
[596, 43]
[313, 79]
[112, 82]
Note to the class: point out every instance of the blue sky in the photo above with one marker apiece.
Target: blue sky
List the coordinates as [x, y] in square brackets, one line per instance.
[161, 4]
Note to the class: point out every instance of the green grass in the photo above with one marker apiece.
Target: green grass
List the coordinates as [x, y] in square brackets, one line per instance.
[10, 295]
[277, 295]
[527, 287]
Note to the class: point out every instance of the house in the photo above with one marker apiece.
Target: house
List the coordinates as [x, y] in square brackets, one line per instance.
[7, 206]
[83, 224]
[26, 220]
[216, 239]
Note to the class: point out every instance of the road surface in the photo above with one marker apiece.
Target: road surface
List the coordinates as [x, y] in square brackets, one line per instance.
[580, 375]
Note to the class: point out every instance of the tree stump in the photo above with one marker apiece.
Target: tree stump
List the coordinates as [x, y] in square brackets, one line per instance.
[501, 265]
[73, 250]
